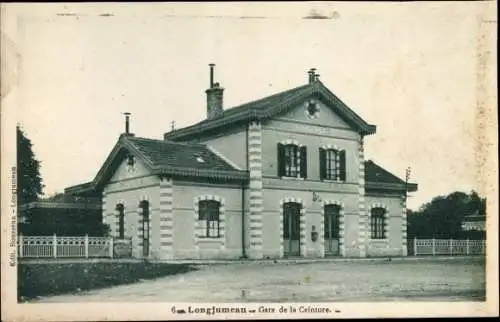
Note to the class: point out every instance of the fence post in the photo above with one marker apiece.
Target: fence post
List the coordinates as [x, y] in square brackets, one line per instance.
[111, 247]
[54, 246]
[20, 241]
[451, 246]
[415, 246]
[86, 246]
[433, 247]
[467, 246]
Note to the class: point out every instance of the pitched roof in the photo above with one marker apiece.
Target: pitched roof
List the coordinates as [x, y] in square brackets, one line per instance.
[377, 177]
[272, 105]
[163, 154]
[163, 157]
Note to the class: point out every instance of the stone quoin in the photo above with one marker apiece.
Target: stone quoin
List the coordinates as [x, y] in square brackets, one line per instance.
[279, 177]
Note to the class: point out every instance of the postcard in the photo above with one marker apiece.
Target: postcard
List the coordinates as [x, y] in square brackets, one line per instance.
[172, 161]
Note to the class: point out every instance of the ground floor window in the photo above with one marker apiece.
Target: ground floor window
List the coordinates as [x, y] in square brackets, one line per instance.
[208, 217]
[378, 223]
[120, 208]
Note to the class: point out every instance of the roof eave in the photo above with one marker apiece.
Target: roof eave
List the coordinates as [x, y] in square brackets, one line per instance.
[60, 205]
[369, 129]
[240, 176]
[84, 188]
[387, 186]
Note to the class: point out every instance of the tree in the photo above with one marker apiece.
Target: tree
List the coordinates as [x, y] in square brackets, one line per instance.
[443, 216]
[29, 181]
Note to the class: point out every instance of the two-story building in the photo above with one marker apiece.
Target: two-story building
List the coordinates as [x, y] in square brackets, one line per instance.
[281, 176]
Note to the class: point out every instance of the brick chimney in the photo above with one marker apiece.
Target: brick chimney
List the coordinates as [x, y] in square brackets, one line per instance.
[214, 96]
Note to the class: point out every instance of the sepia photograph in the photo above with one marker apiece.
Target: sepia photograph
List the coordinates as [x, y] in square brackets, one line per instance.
[249, 160]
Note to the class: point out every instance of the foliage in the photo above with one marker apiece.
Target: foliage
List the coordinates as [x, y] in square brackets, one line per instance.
[29, 180]
[442, 217]
[59, 278]
[64, 222]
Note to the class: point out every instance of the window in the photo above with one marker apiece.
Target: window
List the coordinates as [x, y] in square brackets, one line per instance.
[121, 220]
[312, 109]
[332, 164]
[130, 160]
[130, 163]
[378, 223]
[292, 161]
[144, 205]
[208, 215]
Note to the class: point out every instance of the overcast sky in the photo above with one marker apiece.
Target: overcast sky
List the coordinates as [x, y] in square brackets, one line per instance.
[408, 68]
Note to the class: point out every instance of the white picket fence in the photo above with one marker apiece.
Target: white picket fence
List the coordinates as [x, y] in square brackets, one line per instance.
[86, 247]
[61, 246]
[448, 247]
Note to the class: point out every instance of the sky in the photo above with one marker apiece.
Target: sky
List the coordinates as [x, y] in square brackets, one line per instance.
[409, 68]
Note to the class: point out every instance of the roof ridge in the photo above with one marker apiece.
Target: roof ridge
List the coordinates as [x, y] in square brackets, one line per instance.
[269, 106]
[167, 141]
[142, 138]
[244, 105]
[272, 95]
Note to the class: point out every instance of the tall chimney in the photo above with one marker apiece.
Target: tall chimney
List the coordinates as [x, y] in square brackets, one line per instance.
[127, 123]
[214, 96]
[311, 73]
[211, 75]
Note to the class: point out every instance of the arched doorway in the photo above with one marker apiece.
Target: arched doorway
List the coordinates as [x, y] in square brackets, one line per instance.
[332, 229]
[291, 229]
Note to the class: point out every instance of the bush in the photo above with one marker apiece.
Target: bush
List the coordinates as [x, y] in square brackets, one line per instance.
[53, 278]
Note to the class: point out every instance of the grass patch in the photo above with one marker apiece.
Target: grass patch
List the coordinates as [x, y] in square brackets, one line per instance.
[56, 278]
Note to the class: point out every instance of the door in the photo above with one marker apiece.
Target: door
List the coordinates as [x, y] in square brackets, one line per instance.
[332, 216]
[145, 228]
[291, 229]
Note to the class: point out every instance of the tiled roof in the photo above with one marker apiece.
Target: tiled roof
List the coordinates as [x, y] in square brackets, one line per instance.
[375, 173]
[173, 154]
[377, 177]
[164, 157]
[264, 103]
[273, 105]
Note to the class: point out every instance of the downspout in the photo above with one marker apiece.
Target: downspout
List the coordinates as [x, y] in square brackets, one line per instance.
[243, 246]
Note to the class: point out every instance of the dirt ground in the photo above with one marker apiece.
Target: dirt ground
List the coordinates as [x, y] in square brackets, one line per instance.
[426, 279]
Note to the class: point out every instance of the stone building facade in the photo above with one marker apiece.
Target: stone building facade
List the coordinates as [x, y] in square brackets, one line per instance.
[282, 176]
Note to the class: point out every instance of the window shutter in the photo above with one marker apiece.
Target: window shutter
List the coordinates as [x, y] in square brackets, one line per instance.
[342, 165]
[281, 160]
[303, 162]
[322, 163]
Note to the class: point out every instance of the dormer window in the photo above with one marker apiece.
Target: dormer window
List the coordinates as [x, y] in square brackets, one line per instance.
[292, 160]
[332, 164]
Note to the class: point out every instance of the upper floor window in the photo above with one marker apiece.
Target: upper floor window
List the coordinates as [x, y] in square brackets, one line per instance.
[377, 221]
[120, 208]
[332, 164]
[208, 215]
[292, 161]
